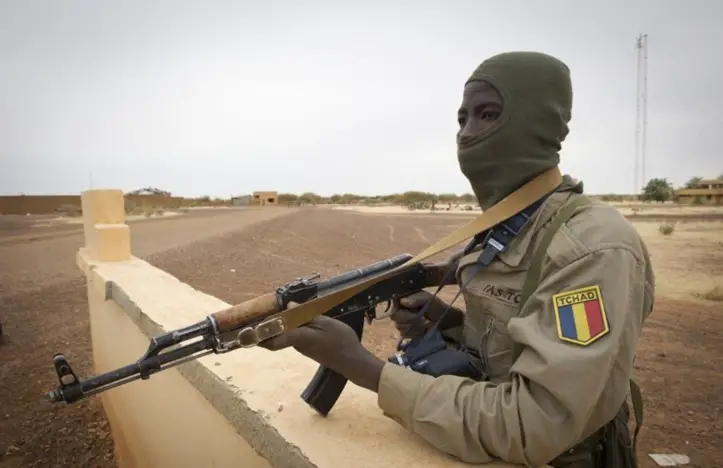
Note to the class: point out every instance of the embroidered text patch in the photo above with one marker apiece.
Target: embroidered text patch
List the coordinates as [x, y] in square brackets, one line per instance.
[580, 315]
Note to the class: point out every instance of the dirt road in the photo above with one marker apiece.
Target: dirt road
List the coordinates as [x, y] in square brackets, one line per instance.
[20, 271]
[676, 363]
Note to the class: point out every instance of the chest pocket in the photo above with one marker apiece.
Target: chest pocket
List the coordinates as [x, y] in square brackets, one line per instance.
[492, 296]
[487, 292]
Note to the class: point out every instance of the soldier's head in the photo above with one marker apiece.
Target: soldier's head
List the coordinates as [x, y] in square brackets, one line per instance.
[513, 119]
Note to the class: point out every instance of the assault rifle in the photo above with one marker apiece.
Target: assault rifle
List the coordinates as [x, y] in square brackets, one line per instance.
[231, 328]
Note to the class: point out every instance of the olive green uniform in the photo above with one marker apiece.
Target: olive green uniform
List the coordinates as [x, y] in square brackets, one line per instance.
[557, 356]
[564, 386]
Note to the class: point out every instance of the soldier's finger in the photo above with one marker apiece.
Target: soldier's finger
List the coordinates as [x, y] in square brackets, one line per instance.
[285, 340]
[414, 301]
[402, 316]
[413, 329]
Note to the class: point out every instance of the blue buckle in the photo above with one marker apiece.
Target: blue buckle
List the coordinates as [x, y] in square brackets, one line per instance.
[521, 225]
[499, 237]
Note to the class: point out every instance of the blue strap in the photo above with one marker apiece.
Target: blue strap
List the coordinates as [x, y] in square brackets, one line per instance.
[498, 238]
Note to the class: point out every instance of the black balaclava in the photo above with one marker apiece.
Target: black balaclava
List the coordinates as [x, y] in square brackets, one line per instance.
[525, 140]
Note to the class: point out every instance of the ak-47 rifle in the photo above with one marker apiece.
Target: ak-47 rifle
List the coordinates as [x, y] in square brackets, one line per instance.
[260, 318]
[238, 327]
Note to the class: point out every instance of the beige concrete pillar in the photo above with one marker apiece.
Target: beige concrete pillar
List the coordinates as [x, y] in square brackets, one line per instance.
[107, 236]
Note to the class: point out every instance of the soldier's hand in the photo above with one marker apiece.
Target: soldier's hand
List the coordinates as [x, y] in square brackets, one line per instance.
[405, 310]
[333, 344]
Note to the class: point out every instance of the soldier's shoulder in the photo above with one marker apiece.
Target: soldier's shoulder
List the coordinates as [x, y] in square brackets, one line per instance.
[596, 227]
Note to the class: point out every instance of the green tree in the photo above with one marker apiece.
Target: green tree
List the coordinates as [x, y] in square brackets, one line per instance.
[447, 197]
[693, 182]
[287, 197]
[350, 198]
[468, 198]
[659, 190]
[415, 197]
[309, 197]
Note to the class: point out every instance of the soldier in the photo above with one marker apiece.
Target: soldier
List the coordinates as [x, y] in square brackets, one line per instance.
[551, 324]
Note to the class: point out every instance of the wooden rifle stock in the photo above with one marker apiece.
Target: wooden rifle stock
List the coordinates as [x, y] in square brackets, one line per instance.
[247, 312]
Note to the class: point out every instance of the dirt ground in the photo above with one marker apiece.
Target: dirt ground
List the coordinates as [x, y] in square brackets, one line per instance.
[43, 309]
[243, 253]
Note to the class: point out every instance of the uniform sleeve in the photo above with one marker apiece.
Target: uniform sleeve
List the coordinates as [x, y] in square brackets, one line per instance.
[577, 335]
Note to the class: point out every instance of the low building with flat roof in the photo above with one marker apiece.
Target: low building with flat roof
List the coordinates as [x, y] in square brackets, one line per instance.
[266, 198]
[705, 192]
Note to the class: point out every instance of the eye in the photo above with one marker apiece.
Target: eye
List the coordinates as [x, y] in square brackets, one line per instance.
[490, 114]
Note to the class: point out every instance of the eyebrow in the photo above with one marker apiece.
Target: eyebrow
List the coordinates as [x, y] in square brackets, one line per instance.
[484, 103]
[489, 104]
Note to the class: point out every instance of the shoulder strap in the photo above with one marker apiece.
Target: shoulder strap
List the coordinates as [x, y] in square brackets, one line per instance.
[636, 397]
[532, 280]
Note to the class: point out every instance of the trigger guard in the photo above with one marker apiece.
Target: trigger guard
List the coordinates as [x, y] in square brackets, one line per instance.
[386, 312]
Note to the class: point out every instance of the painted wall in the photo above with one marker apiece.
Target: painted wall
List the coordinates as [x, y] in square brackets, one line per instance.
[164, 421]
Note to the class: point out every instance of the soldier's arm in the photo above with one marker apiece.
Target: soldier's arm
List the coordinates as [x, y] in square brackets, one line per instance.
[560, 389]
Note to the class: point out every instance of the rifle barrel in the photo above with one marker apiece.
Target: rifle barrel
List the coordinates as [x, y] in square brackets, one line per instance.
[348, 278]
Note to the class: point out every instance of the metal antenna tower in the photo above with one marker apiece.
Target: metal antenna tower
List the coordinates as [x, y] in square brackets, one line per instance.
[641, 112]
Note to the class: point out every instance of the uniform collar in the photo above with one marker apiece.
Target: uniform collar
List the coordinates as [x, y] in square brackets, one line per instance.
[517, 249]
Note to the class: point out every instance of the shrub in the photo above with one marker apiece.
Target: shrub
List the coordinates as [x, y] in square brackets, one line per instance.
[130, 206]
[137, 210]
[666, 229]
[713, 294]
[612, 198]
[69, 210]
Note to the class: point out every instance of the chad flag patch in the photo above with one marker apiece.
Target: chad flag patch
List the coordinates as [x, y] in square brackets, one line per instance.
[580, 314]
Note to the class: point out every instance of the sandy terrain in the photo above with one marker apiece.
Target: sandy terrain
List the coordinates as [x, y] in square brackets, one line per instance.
[464, 209]
[44, 309]
[630, 210]
[20, 228]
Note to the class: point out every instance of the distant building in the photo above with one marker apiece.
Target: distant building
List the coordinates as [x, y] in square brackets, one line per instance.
[150, 191]
[266, 198]
[705, 192]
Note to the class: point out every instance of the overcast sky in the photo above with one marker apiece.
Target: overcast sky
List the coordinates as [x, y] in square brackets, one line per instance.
[227, 97]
